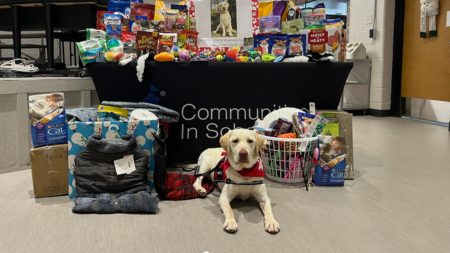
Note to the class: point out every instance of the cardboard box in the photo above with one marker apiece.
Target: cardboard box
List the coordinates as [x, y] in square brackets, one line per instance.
[49, 170]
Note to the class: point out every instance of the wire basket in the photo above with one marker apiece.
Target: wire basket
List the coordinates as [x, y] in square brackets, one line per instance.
[288, 160]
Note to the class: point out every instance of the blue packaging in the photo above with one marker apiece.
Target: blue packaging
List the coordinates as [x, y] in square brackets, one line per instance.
[47, 119]
[297, 45]
[122, 6]
[264, 42]
[332, 161]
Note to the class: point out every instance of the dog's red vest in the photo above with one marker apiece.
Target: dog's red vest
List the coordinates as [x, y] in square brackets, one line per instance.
[256, 171]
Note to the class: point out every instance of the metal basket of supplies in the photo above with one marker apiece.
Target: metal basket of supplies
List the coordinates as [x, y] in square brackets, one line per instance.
[288, 160]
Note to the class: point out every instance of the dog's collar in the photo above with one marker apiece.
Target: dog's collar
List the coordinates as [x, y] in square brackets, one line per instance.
[256, 171]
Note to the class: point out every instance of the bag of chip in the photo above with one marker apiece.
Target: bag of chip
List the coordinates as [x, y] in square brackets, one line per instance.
[166, 42]
[147, 42]
[170, 21]
[159, 10]
[88, 49]
[264, 43]
[129, 42]
[101, 19]
[280, 45]
[191, 40]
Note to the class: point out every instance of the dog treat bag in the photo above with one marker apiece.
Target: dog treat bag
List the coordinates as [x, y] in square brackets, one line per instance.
[264, 43]
[191, 40]
[159, 10]
[166, 42]
[182, 15]
[129, 42]
[280, 45]
[136, 24]
[113, 24]
[101, 19]
[88, 49]
[141, 9]
[170, 20]
[181, 41]
[297, 45]
[147, 42]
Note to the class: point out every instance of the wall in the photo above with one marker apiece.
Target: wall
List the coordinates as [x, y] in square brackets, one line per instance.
[379, 49]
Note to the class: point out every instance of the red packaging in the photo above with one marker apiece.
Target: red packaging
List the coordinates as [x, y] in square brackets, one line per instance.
[140, 9]
[129, 42]
[191, 40]
[100, 17]
[147, 42]
[166, 42]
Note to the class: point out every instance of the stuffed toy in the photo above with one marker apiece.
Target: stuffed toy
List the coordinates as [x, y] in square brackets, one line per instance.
[428, 8]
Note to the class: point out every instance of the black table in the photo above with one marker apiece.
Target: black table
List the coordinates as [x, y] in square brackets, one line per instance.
[215, 97]
[32, 15]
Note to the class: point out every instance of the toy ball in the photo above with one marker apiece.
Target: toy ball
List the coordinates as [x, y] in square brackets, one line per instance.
[175, 51]
[113, 43]
[232, 55]
[119, 56]
[109, 57]
[184, 55]
[219, 58]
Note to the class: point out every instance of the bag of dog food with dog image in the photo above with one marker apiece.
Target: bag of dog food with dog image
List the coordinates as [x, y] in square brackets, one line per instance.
[191, 40]
[297, 45]
[330, 169]
[280, 45]
[129, 42]
[170, 21]
[113, 23]
[101, 19]
[182, 15]
[166, 42]
[47, 119]
[136, 23]
[264, 42]
[147, 42]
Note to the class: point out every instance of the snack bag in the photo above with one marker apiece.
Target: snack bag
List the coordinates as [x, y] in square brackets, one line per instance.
[47, 119]
[270, 24]
[297, 45]
[88, 49]
[170, 20]
[166, 42]
[182, 15]
[96, 34]
[264, 42]
[143, 10]
[101, 19]
[129, 42]
[191, 40]
[113, 24]
[147, 42]
[135, 25]
[159, 10]
[181, 41]
[280, 45]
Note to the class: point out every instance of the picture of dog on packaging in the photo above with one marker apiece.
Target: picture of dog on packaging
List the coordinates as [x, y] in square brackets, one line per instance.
[223, 18]
[295, 46]
[264, 46]
[280, 47]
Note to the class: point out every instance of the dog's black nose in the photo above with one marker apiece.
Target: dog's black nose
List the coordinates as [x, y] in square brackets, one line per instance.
[243, 154]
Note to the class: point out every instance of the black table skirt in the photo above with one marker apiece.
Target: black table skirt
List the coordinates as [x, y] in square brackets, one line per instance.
[215, 97]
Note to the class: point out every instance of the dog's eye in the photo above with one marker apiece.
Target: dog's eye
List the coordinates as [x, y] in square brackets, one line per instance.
[236, 141]
[250, 141]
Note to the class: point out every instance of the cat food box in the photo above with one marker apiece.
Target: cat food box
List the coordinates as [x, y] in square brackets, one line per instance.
[330, 169]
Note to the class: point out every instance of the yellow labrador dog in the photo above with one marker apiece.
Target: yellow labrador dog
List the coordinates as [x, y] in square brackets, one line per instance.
[242, 147]
[225, 20]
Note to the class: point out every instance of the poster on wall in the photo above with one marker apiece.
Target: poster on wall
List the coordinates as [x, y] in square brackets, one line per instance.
[223, 24]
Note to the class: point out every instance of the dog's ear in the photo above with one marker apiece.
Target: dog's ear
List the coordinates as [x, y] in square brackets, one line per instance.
[225, 141]
[260, 143]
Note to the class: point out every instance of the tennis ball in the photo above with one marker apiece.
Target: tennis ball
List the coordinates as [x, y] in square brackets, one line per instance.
[118, 57]
[109, 57]
[219, 57]
[175, 51]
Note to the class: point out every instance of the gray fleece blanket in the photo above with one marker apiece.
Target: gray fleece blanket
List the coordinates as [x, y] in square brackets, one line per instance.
[137, 200]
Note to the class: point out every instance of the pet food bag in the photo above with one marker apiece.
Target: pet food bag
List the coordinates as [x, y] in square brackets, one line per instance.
[166, 42]
[332, 161]
[280, 45]
[101, 19]
[147, 42]
[191, 40]
[89, 49]
[297, 45]
[159, 10]
[264, 43]
[170, 21]
[47, 119]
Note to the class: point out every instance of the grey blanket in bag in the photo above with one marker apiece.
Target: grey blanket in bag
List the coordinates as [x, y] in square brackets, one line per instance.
[164, 114]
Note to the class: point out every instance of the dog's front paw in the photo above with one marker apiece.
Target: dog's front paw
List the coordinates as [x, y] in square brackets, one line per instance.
[230, 226]
[224, 35]
[202, 191]
[272, 226]
[231, 34]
